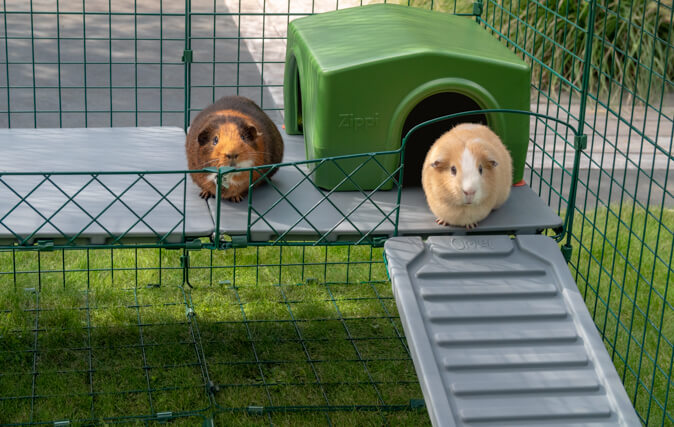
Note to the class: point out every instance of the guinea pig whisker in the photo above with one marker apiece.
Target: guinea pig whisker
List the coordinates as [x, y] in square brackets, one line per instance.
[208, 162]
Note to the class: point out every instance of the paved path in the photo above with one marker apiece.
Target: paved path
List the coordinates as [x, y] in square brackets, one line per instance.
[625, 162]
[254, 62]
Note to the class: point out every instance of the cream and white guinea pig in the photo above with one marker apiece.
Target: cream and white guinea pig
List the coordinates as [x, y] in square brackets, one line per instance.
[467, 173]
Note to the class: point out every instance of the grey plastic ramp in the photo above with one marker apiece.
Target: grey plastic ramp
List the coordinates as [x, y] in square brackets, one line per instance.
[500, 335]
[282, 210]
[98, 208]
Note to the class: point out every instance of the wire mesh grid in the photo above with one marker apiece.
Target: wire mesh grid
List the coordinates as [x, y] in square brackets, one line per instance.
[88, 336]
[603, 65]
[74, 63]
[94, 63]
[606, 66]
[364, 219]
[72, 208]
[267, 335]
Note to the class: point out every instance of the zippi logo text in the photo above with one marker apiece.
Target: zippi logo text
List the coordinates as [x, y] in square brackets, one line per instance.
[351, 121]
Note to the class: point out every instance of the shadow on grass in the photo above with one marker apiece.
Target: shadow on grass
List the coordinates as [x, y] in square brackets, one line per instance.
[331, 351]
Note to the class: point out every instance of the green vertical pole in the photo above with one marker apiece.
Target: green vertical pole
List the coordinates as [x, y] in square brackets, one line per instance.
[84, 60]
[401, 173]
[238, 49]
[578, 140]
[161, 64]
[110, 60]
[9, 114]
[32, 53]
[187, 59]
[477, 10]
[218, 199]
[135, 61]
[58, 60]
[264, 22]
[213, 57]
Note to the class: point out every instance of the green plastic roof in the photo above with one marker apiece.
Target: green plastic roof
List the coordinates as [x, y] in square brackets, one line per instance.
[349, 37]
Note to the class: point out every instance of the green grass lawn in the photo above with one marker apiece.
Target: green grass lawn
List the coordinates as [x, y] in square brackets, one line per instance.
[311, 335]
[286, 335]
[622, 263]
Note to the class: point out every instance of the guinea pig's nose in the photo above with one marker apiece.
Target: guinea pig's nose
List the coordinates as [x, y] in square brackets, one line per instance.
[469, 192]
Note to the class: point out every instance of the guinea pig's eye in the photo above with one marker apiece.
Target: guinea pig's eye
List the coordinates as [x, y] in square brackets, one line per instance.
[215, 140]
[480, 169]
[453, 170]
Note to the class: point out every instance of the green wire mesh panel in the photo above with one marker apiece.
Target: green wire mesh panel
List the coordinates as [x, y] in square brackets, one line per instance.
[93, 209]
[89, 335]
[69, 63]
[120, 206]
[238, 48]
[607, 66]
[305, 330]
[266, 335]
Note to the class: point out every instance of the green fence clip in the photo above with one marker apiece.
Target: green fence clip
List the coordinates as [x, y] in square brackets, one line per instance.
[567, 250]
[386, 265]
[378, 241]
[194, 244]
[61, 423]
[239, 242]
[213, 387]
[30, 290]
[208, 422]
[45, 245]
[223, 170]
[184, 261]
[477, 8]
[187, 56]
[580, 142]
[189, 312]
[163, 417]
[417, 404]
[255, 410]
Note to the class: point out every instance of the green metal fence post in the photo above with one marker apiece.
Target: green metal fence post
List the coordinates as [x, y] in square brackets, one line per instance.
[187, 60]
[579, 145]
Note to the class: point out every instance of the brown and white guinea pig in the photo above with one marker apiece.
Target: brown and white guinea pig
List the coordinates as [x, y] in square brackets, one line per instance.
[467, 173]
[234, 132]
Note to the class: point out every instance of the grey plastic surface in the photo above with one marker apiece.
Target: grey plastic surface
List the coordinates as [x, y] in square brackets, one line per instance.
[130, 199]
[524, 212]
[500, 335]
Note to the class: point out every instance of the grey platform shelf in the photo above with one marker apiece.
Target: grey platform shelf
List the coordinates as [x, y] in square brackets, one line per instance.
[524, 212]
[133, 204]
[500, 334]
[100, 208]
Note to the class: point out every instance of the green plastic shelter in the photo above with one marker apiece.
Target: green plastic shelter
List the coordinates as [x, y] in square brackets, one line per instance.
[356, 80]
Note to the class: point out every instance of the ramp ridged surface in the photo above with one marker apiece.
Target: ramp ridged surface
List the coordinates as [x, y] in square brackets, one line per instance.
[98, 208]
[500, 334]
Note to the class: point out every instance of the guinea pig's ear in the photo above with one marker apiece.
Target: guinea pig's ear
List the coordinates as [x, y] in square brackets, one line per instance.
[249, 132]
[491, 163]
[204, 135]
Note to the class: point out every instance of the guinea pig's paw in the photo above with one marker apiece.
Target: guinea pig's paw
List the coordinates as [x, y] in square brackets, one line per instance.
[236, 199]
[206, 194]
[471, 226]
[441, 222]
